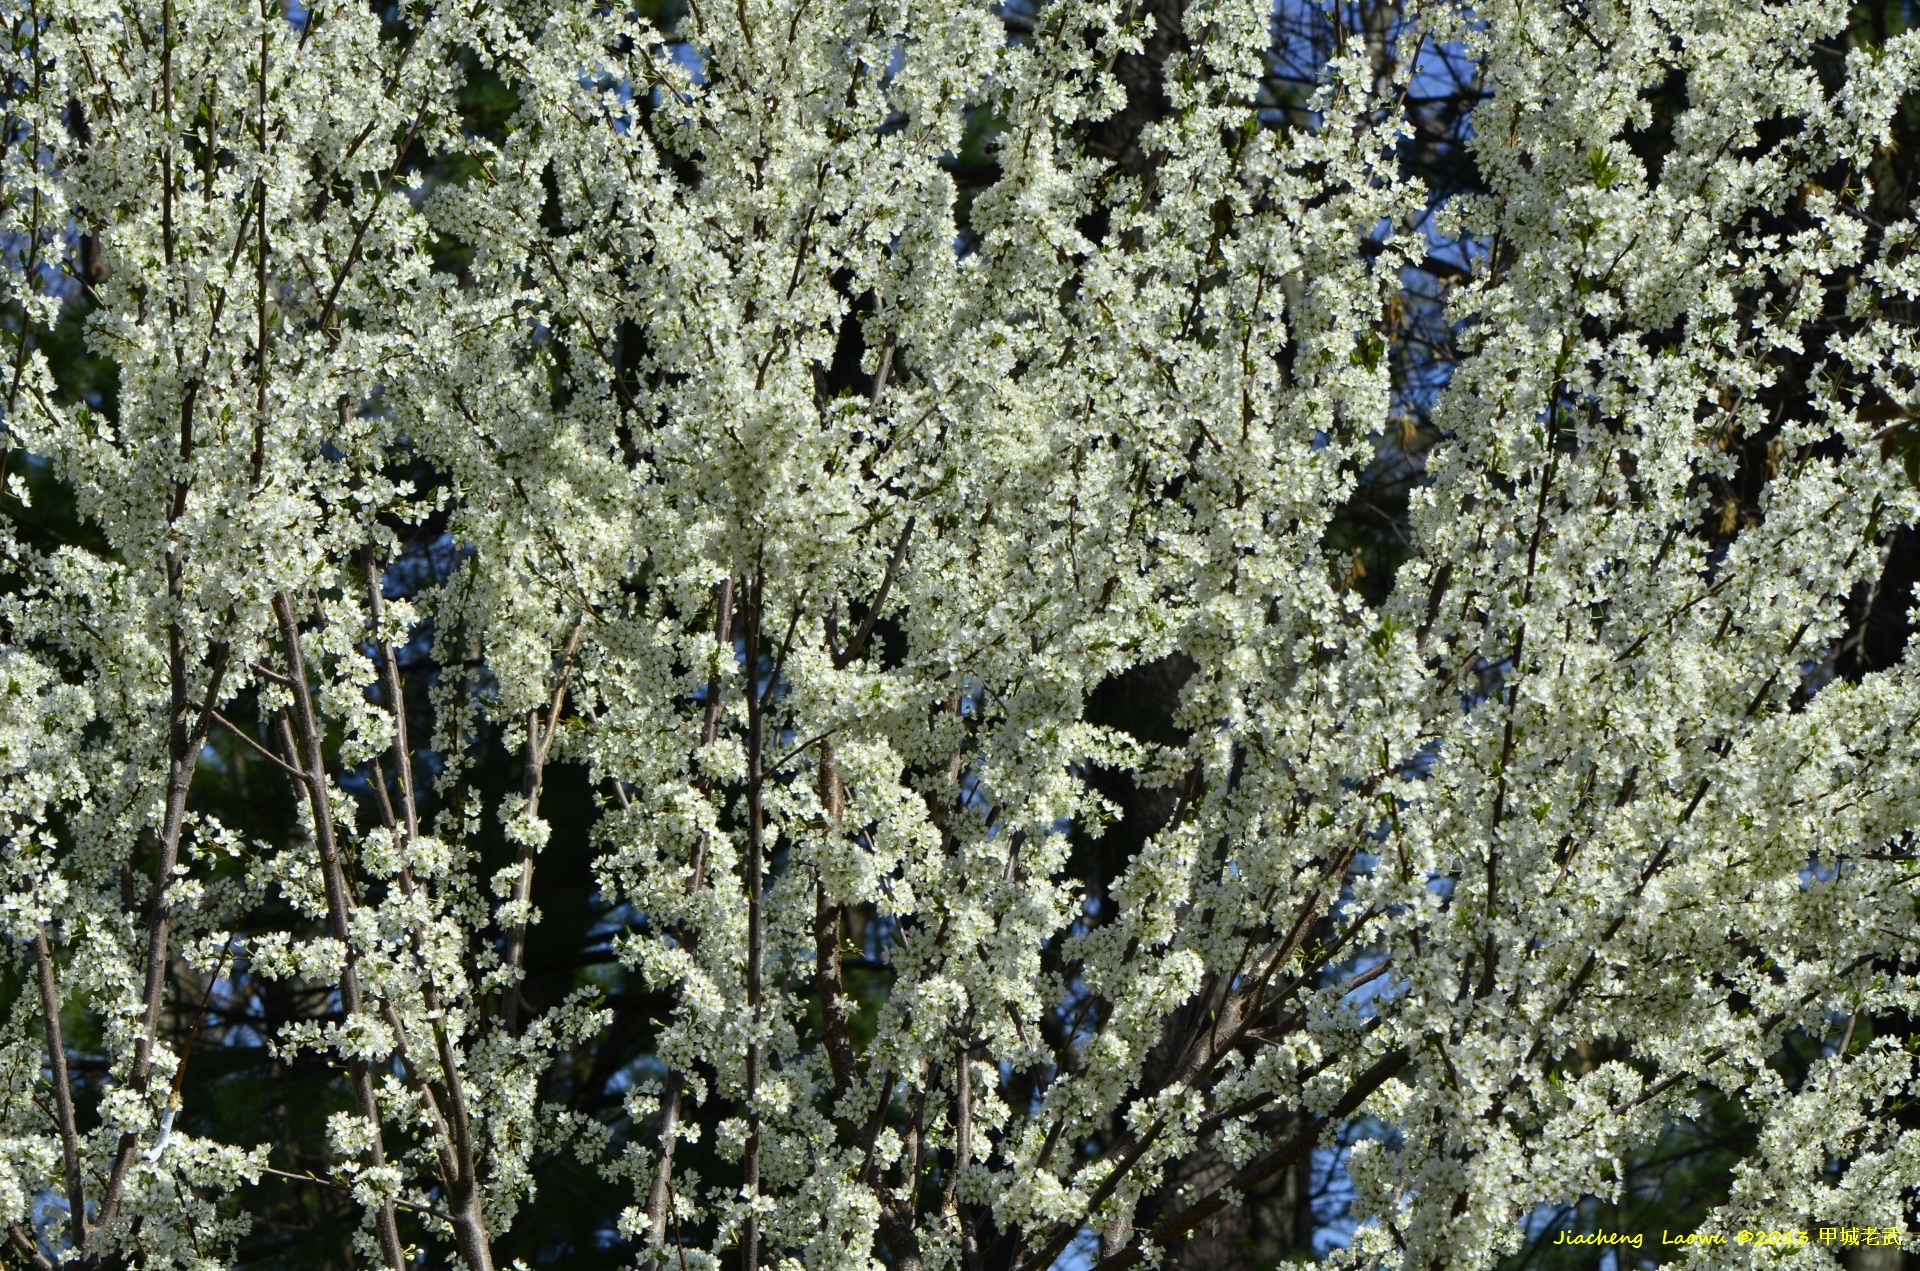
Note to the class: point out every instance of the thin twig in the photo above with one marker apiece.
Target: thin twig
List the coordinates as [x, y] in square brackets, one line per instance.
[268, 755]
[322, 1180]
[782, 761]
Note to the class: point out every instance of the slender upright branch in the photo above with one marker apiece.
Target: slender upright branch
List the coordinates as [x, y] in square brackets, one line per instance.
[453, 1129]
[963, 1156]
[756, 918]
[185, 740]
[401, 749]
[834, 1033]
[311, 758]
[63, 1091]
[659, 1197]
[539, 743]
[185, 737]
[33, 224]
[261, 307]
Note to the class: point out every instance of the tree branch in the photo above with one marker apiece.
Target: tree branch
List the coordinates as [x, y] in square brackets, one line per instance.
[261, 750]
[454, 1129]
[536, 748]
[62, 1090]
[1264, 1167]
[858, 644]
[184, 744]
[323, 1180]
[756, 918]
[312, 758]
[660, 1195]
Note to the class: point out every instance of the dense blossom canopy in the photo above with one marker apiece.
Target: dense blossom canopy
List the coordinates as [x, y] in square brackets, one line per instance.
[804, 495]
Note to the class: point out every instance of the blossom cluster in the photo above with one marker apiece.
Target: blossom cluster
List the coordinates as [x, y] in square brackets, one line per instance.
[804, 497]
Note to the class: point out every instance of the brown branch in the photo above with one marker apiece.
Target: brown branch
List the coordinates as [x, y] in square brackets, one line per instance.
[537, 748]
[311, 757]
[963, 1156]
[366, 223]
[857, 645]
[184, 743]
[880, 373]
[1264, 1167]
[827, 981]
[834, 1033]
[62, 1090]
[756, 916]
[896, 1229]
[451, 1174]
[266, 754]
[27, 1249]
[323, 1180]
[454, 1129]
[660, 1196]
[193, 1028]
[396, 701]
[270, 675]
[1196, 1060]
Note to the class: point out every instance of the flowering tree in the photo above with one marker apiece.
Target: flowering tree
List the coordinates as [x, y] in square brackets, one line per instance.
[803, 499]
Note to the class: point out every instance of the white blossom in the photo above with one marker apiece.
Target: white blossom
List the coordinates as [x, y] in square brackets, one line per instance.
[826, 652]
